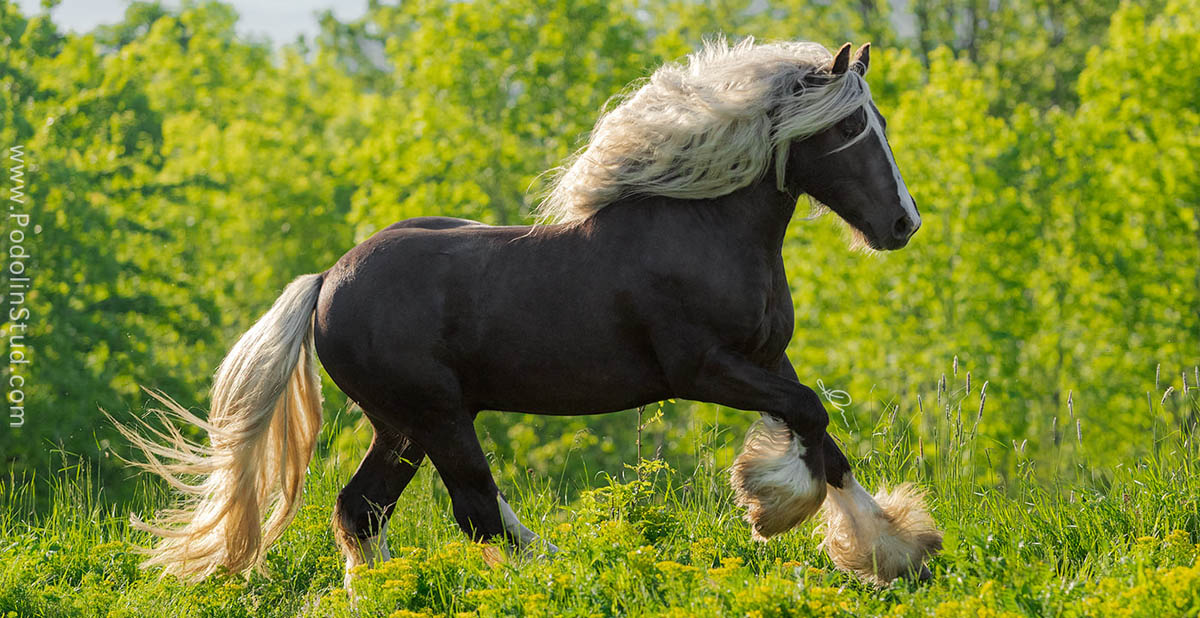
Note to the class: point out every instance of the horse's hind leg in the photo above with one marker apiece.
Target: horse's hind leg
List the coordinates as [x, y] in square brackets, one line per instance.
[479, 508]
[877, 538]
[366, 503]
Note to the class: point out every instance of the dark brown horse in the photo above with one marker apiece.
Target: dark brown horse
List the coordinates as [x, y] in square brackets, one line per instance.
[663, 278]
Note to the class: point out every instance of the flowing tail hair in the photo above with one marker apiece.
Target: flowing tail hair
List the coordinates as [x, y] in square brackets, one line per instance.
[244, 488]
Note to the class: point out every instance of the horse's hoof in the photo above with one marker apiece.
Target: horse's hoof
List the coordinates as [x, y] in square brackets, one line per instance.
[493, 556]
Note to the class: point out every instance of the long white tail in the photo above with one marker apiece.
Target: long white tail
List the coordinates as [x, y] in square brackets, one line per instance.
[243, 489]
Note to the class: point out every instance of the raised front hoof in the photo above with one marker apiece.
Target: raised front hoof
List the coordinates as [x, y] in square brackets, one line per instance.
[772, 482]
[892, 542]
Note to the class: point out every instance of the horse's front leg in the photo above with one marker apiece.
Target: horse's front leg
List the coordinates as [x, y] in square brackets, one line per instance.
[880, 537]
[780, 475]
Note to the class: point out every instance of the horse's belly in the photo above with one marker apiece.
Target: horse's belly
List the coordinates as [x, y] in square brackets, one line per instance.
[569, 373]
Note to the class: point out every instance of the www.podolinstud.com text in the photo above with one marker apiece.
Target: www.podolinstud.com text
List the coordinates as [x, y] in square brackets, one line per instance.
[18, 285]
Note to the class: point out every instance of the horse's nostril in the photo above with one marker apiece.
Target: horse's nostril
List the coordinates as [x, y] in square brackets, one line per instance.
[904, 227]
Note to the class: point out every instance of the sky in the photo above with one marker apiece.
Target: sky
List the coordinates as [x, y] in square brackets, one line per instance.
[281, 20]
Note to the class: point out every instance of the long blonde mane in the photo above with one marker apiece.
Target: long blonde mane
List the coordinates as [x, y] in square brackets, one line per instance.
[705, 127]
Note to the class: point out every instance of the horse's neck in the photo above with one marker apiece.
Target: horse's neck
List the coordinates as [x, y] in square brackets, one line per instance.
[750, 218]
[758, 213]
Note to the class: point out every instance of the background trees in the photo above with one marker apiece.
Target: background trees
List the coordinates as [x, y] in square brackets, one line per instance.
[181, 175]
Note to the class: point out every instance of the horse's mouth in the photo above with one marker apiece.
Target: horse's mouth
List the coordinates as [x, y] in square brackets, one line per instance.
[862, 240]
[893, 243]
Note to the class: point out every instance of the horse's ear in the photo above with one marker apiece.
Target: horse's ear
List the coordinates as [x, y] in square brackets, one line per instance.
[841, 61]
[862, 59]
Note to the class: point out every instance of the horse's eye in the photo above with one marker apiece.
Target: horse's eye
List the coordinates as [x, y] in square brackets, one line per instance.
[854, 124]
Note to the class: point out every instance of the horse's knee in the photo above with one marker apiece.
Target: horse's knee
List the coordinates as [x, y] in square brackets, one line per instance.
[811, 418]
[805, 415]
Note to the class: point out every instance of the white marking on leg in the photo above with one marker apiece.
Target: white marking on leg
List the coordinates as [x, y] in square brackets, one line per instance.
[879, 538]
[375, 549]
[372, 551]
[771, 480]
[858, 507]
[525, 537]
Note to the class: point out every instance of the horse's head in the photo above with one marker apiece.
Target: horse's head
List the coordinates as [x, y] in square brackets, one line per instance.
[849, 166]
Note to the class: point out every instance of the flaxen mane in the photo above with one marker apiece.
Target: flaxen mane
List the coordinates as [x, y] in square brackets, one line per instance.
[705, 127]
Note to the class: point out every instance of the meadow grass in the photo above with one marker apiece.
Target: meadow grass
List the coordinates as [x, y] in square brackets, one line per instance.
[1052, 536]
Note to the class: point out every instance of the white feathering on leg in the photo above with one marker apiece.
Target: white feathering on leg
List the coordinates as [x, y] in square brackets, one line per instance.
[772, 482]
[880, 538]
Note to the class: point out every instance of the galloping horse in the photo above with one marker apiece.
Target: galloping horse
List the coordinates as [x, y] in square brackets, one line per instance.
[660, 276]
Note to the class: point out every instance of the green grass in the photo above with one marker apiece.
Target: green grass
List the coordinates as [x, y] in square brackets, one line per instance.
[1051, 535]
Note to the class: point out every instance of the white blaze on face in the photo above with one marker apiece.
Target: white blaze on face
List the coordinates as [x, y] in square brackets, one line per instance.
[906, 200]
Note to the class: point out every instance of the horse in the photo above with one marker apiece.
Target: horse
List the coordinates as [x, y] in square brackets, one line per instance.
[655, 272]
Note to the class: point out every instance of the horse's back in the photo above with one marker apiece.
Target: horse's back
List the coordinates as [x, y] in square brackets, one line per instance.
[433, 223]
